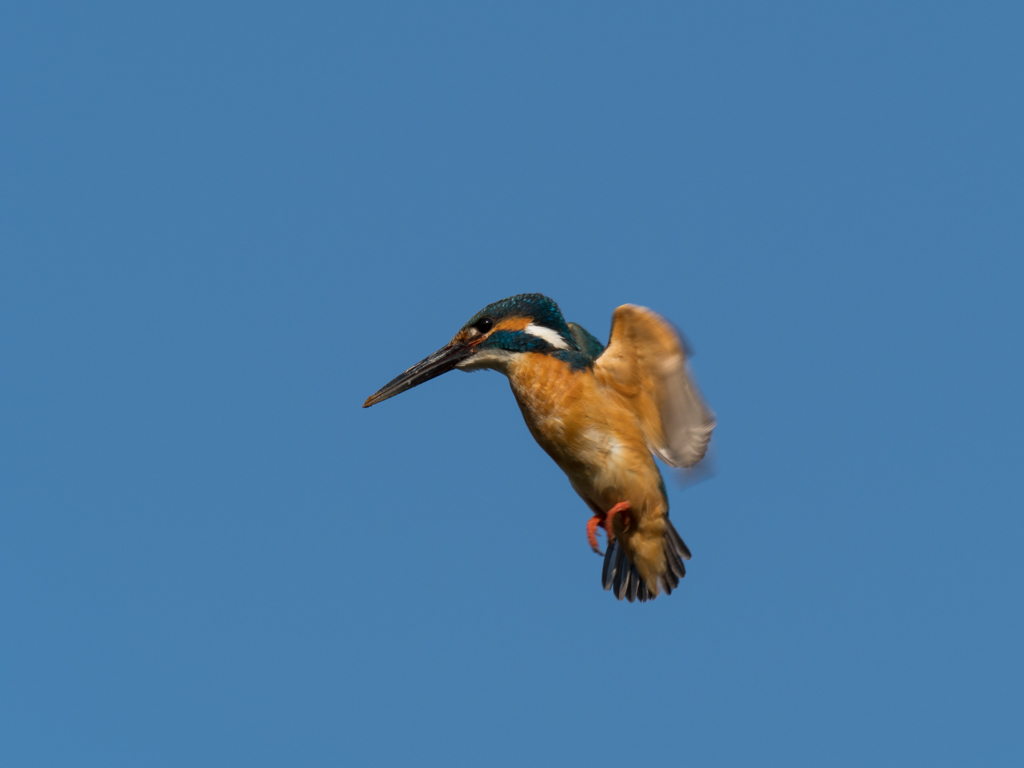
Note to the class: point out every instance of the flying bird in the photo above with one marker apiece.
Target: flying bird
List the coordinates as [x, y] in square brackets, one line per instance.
[601, 413]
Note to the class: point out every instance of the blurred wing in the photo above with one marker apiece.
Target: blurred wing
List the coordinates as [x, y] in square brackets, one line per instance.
[645, 362]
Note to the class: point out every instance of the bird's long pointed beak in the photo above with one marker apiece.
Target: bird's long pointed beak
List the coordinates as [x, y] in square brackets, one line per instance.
[442, 361]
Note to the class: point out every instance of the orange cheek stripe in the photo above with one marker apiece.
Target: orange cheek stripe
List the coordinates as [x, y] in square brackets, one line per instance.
[512, 324]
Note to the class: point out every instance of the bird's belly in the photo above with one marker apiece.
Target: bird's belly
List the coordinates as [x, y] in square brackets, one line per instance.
[592, 436]
[603, 466]
[610, 469]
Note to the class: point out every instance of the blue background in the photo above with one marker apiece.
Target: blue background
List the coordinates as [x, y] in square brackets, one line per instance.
[222, 227]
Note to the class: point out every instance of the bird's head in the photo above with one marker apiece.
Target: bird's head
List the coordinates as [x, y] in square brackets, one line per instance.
[493, 338]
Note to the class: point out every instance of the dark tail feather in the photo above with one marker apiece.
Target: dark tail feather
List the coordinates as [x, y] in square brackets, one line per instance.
[619, 573]
[678, 545]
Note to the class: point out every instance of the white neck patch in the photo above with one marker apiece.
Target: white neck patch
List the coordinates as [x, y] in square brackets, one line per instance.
[554, 338]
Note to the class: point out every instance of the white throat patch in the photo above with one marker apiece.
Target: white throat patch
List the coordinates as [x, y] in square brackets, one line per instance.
[495, 359]
[554, 338]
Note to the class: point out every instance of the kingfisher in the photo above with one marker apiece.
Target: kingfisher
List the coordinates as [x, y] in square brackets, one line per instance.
[602, 413]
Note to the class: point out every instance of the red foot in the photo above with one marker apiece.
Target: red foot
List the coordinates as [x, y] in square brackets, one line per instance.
[605, 521]
[621, 508]
[592, 524]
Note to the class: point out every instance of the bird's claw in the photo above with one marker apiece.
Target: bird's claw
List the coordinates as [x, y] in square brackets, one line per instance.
[605, 520]
[592, 525]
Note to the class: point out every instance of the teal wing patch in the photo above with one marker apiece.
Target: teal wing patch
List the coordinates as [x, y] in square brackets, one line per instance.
[587, 342]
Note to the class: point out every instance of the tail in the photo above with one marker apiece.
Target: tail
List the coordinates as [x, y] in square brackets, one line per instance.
[620, 573]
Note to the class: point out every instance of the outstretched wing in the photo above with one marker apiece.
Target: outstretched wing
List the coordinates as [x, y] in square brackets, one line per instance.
[645, 362]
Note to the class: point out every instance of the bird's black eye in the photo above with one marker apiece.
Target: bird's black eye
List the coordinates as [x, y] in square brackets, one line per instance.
[484, 324]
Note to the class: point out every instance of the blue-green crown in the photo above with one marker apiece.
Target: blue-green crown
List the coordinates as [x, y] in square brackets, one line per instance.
[544, 312]
[540, 308]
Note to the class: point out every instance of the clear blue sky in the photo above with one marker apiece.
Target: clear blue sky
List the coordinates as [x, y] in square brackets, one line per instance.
[223, 226]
